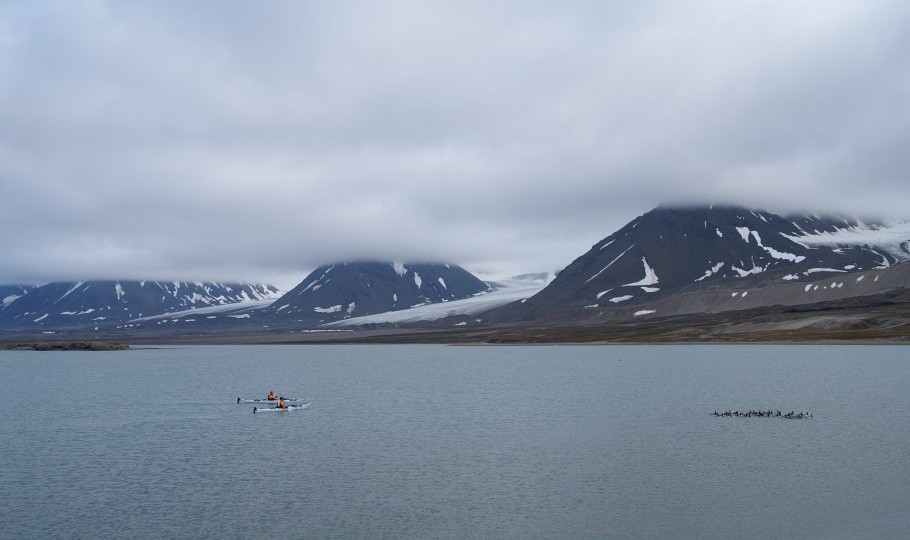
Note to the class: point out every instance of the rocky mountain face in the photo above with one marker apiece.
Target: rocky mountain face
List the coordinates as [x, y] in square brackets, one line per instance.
[354, 289]
[670, 250]
[85, 303]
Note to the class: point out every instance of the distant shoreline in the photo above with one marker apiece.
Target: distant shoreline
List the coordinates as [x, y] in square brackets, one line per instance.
[66, 346]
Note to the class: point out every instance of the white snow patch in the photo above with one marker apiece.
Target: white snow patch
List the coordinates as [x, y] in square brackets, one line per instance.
[241, 316]
[417, 280]
[645, 312]
[351, 307]
[650, 289]
[73, 288]
[443, 283]
[9, 299]
[720, 234]
[118, 290]
[395, 297]
[850, 267]
[816, 270]
[711, 271]
[777, 254]
[782, 255]
[734, 294]
[808, 287]
[744, 232]
[400, 268]
[609, 265]
[41, 318]
[605, 246]
[743, 272]
[885, 262]
[744, 294]
[84, 312]
[601, 293]
[619, 299]
[860, 278]
[649, 279]
[333, 309]
[790, 277]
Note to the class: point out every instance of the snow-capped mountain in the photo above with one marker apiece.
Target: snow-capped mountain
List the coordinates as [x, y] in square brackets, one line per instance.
[67, 305]
[668, 249]
[354, 289]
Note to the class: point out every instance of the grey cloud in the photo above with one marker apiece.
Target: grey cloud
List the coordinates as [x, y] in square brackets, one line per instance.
[226, 140]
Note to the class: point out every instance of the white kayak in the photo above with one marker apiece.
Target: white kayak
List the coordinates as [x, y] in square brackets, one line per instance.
[275, 409]
[269, 401]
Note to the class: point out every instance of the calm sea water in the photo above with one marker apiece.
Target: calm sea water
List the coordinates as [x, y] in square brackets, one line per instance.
[456, 442]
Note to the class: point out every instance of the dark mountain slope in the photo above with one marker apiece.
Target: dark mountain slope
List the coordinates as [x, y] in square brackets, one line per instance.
[668, 249]
[354, 289]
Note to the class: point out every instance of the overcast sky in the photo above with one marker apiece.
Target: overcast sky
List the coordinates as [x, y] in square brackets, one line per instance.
[257, 140]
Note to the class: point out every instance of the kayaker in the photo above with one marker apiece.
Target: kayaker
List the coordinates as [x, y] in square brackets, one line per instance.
[281, 404]
[271, 396]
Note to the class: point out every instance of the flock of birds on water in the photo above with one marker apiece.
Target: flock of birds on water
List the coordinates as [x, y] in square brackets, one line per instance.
[792, 415]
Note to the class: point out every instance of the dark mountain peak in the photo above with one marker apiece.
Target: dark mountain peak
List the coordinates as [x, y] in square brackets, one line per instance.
[353, 289]
[671, 247]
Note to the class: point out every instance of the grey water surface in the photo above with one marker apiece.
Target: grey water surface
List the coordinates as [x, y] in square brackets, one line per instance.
[431, 441]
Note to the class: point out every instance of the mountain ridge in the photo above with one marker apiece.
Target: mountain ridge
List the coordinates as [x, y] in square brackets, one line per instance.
[91, 303]
[673, 249]
[693, 262]
[669, 248]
